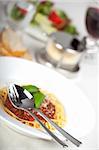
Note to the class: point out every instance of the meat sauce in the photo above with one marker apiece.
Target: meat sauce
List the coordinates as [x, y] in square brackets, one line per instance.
[47, 108]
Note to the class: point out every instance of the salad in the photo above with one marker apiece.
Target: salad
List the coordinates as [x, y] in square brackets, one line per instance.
[51, 19]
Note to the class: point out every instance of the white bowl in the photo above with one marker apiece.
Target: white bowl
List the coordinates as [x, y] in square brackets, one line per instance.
[79, 112]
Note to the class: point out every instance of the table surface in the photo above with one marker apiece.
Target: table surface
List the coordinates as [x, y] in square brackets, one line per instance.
[87, 81]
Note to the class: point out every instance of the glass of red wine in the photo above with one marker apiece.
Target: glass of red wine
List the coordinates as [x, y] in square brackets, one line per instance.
[92, 26]
[92, 21]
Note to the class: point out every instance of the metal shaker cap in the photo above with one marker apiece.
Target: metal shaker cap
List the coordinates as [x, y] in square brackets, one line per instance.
[62, 39]
[68, 41]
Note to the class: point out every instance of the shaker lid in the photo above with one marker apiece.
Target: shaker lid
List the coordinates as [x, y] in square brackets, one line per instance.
[68, 41]
[64, 39]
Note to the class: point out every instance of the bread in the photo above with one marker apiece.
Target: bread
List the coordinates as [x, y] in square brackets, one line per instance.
[3, 51]
[27, 56]
[12, 45]
[12, 42]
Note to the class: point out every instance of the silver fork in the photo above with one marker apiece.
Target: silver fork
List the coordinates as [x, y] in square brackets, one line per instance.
[14, 99]
[29, 103]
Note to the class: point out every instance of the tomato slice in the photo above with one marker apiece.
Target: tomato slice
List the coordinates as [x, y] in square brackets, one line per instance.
[55, 18]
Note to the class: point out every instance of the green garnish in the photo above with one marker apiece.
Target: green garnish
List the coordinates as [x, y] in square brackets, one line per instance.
[71, 30]
[34, 23]
[62, 14]
[44, 7]
[38, 99]
[16, 14]
[31, 88]
[37, 95]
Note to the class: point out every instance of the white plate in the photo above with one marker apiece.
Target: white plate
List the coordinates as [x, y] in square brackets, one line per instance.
[80, 114]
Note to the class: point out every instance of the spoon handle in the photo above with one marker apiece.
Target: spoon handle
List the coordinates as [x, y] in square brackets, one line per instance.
[63, 132]
[47, 130]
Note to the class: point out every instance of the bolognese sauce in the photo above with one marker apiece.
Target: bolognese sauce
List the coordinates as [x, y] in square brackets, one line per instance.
[47, 108]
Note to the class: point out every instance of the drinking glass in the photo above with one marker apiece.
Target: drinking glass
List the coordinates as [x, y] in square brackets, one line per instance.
[92, 26]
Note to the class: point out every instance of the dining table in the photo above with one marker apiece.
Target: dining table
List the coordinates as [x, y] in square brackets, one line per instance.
[86, 79]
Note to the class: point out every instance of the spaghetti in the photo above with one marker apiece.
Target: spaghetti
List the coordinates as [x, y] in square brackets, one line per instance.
[51, 107]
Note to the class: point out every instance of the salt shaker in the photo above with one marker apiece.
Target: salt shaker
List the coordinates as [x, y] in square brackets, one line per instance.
[65, 51]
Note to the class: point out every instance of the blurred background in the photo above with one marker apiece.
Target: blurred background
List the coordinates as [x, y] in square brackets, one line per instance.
[67, 32]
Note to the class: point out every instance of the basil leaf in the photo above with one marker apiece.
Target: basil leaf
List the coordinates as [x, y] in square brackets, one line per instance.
[38, 99]
[31, 88]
